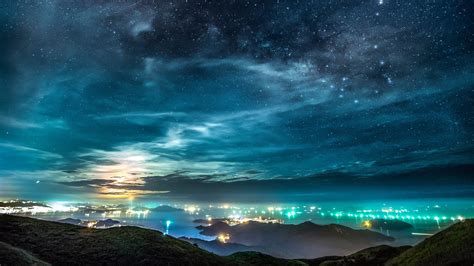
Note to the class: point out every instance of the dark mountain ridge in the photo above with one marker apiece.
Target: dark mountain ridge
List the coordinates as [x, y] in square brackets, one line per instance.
[305, 240]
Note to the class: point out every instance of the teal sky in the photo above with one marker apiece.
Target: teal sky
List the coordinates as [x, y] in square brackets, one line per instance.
[236, 101]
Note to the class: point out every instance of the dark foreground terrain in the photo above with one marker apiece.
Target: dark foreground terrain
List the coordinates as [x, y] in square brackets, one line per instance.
[26, 241]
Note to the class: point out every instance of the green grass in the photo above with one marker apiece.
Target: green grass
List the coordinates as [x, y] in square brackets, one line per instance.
[256, 258]
[10, 255]
[373, 256]
[64, 244]
[453, 246]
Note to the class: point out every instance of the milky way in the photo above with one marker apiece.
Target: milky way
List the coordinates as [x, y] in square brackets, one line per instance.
[238, 99]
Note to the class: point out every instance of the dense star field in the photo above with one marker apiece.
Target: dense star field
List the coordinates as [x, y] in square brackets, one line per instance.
[236, 100]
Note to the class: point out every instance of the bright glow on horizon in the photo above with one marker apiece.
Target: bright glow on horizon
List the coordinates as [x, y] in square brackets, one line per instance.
[168, 223]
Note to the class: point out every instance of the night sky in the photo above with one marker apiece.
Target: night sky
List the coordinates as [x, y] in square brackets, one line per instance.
[236, 100]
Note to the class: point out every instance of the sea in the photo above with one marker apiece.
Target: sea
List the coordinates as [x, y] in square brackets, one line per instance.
[428, 216]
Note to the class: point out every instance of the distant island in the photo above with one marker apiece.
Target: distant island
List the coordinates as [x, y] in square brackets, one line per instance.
[71, 221]
[166, 208]
[107, 223]
[383, 224]
[211, 221]
[22, 203]
[220, 248]
[27, 241]
[234, 221]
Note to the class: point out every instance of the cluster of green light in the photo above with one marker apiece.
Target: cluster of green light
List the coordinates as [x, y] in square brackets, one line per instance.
[291, 214]
[388, 214]
[392, 217]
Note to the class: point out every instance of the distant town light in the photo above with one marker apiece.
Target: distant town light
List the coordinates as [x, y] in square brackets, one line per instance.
[223, 238]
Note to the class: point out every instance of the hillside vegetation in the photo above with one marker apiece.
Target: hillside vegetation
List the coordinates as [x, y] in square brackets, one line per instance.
[453, 246]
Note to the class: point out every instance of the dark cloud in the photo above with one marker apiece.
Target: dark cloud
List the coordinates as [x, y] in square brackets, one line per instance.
[87, 183]
[444, 181]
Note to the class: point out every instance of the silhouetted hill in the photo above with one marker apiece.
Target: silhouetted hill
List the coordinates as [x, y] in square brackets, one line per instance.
[106, 223]
[214, 229]
[452, 246]
[395, 225]
[70, 221]
[96, 224]
[373, 256]
[306, 240]
[166, 208]
[222, 249]
[213, 221]
[65, 244]
[257, 258]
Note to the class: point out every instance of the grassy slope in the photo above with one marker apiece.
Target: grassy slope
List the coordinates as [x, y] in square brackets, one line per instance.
[256, 258]
[10, 255]
[373, 256]
[453, 246]
[63, 244]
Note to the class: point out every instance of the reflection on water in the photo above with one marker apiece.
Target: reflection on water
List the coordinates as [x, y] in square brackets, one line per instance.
[427, 216]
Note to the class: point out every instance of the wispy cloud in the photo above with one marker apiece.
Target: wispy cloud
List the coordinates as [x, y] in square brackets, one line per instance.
[16, 123]
[34, 152]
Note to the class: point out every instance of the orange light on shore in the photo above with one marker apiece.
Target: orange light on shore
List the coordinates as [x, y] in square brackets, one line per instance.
[367, 224]
[223, 238]
[91, 224]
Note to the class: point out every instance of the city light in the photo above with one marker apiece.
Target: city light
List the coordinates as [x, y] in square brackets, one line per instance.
[367, 224]
[140, 213]
[223, 238]
[234, 215]
[91, 224]
[192, 209]
[32, 207]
